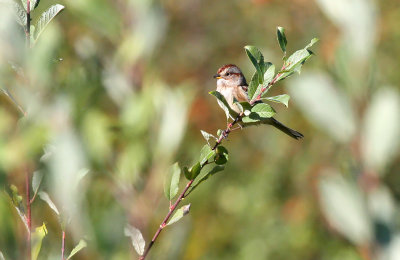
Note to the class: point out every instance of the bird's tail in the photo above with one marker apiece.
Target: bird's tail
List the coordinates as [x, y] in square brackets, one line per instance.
[285, 129]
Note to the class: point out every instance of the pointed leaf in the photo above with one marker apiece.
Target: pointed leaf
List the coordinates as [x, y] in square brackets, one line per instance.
[259, 112]
[171, 183]
[207, 136]
[136, 237]
[180, 213]
[283, 99]
[45, 197]
[205, 154]
[255, 87]
[224, 104]
[36, 181]
[81, 245]
[280, 31]
[2, 256]
[37, 238]
[255, 57]
[20, 14]
[46, 17]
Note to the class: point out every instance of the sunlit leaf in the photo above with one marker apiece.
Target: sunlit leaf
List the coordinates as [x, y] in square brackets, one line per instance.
[81, 245]
[179, 213]
[207, 136]
[36, 181]
[32, 6]
[2, 256]
[45, 197]
[37, 238]
[280, 31]
[261, 80]
[205, 154]
[171, 182]
[259, 112]
[136, 237]
[46, 17]
[224, 104]
[283, 99]
[255, 57]
[20, 14]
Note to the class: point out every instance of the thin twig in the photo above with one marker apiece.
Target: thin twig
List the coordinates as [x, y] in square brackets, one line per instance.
[63, 245]
[172, 208]
[164, 223]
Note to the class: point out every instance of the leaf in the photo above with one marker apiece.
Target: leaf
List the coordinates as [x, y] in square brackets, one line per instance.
[221, 155]
[81, 245]
[296, 60]
[16, 200]
[280, 31]
[207, 136]
[46, 17]
[20, 14]
[2, 256]
[37, 238]
[192, 173]
[180, 213]
[33, 4]
[13, 101]
[205, 154]
[224, 104]
[344, 206]
[214, 170]
[171, 183]
[45, 197]
[136, 237]
[255, 57]
[283, 99]
[36, 181]
[260, 82]
[259, 112]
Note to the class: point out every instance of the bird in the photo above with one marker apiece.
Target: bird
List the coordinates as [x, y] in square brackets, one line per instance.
[231, 83]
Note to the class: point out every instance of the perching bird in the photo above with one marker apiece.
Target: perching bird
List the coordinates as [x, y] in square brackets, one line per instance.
[232, 84]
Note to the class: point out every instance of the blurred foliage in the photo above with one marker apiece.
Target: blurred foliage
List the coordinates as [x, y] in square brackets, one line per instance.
[114, 91]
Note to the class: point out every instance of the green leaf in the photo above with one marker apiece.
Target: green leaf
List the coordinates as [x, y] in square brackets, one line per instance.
[255, 57]
[192, 173]
[45, 19]
[296, 60]
[45, 197]
[17, 200]
[36, 181]
[258, 82]
[221, 156]
[205, 154]
[224, 104]
[37, 238]
[81, 245]
[2, 256]
[280, 31]
[171, 182]
[207, 136]
[199, 180]
[179, 213]
[136, 238]
[33, 4]
[283, 99]
[259, 112]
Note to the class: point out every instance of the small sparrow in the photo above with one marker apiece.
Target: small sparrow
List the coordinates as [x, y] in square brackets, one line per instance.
[232, 84]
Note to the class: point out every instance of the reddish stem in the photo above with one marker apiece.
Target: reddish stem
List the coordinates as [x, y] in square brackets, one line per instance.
[267, 87]
[63, 245]
[164, 223]
[28, 23]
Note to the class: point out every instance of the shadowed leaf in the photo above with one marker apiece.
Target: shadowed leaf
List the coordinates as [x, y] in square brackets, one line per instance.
[81, 245]
[136, 237]
[171, 183]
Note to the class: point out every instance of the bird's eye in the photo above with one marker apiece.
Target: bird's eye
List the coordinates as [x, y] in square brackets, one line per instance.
[227, 74]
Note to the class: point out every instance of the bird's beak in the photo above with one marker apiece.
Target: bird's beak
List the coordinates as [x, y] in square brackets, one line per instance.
[217, 76]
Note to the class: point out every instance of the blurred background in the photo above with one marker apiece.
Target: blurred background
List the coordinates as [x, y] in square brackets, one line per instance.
[115, 91]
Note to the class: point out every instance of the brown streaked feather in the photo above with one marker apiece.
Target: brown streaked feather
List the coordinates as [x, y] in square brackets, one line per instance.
[240, 94]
